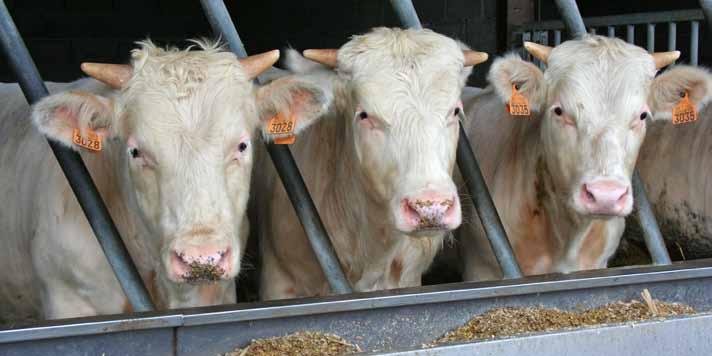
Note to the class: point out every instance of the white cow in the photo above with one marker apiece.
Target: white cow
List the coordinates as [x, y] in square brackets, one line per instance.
[560, 178]
[378, 167]
[675, 163]
[178, 133]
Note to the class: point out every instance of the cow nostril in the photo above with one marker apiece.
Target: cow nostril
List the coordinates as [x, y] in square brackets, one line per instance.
[588, 193]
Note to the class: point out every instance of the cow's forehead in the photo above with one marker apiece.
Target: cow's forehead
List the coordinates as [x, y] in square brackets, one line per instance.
[600, 76]
[395, 70]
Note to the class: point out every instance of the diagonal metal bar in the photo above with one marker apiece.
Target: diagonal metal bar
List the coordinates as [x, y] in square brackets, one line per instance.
[706, 6]
[76, 172]
[471, 173]
[287, 169]
[651, 231]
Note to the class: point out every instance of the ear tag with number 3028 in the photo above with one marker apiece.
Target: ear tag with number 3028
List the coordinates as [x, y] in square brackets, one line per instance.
[684, 111]
[518, 105]
[92, 141]
[281, 125]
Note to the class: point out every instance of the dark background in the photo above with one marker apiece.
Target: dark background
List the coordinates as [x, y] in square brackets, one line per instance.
[62, 33]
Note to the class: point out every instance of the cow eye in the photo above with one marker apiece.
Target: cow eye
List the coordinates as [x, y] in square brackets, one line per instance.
[558, 111]
[363, 115]
[242, 146]
[134, 152]
[644, 115]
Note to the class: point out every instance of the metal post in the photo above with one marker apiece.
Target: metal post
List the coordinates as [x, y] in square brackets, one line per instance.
[572, 17]
[76, 172]
[222, 24]
[650, 34]
[706, 6]
[651, 232]
[630, 34]
[472, 175]
[672, 36]
[470, 170]
[694, 42]
[406, 13]
[557, 37]
[611, 31]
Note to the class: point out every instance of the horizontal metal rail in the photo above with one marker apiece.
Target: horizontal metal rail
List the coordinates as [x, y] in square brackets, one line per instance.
[76, 172]
[472, 175]
[345, 313]
[287, 169]
[640, 18]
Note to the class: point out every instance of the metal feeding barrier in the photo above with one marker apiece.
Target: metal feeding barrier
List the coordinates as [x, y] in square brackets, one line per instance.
[398, 321]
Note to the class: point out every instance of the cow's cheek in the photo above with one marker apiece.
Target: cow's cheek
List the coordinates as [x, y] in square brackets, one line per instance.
[147, 194]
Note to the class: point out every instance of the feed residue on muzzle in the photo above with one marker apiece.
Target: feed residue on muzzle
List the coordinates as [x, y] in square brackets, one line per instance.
[203, 272]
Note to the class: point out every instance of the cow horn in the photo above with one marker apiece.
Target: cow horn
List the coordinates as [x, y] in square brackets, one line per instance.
[663, 59]
[473, 58]
[256, 64]
[539, 51]
[113, 75]
[326, 57]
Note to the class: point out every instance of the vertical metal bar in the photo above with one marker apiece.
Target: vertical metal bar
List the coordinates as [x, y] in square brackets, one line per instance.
[592, 31]
[557, 37]
[526, 37]
[544, 37]
[611, 31]
[672, 36]
[287, 169]
[651, 232]
[76, 172]
[572, 17]
[406, 13]
[650, 36]
[694, 42]
[471, 173]
[630, 34]
[706, 6]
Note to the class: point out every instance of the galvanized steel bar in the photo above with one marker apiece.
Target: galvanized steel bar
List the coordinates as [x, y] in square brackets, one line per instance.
[76, 172]
[672, 36]
[651, 232]
[470, 170]
[650, 38]
[694, 42]
[406, 13]
[492, 224]
[287, 169]
[557, 37]
[571, 16]
[630, 34]
[611, 31]
[592, 31]
[706, 6]
[640, 18]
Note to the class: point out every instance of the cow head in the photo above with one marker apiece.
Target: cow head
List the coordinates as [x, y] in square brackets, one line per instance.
[402, 89]
[181, 126]
[594, 100]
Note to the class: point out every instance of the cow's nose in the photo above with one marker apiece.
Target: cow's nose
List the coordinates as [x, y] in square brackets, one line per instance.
[606, 197]
[431, 210]
[194, 264]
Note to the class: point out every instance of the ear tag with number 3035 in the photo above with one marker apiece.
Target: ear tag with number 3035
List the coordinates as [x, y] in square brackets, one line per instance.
[281, 125]
[684, 111]
[518, 105]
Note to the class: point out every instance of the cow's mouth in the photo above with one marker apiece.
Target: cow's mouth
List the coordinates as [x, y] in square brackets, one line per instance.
[203, 272]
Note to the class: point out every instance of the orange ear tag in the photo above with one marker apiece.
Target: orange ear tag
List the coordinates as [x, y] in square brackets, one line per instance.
[92, 142]
[518, 105]
[684, 111]
[281, 125]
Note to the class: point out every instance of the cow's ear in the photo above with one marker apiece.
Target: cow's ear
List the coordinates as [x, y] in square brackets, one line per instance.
[668, 88]
[58, 115]
[512, 70]
[299, 97]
